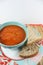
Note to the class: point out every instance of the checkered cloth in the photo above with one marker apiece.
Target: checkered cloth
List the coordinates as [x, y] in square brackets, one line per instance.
[5, 60]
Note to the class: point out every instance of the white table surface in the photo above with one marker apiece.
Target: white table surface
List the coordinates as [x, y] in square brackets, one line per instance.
[26, 11]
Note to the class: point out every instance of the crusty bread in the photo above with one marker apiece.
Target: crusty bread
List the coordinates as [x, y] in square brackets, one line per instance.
[41, 62]
[40, 29]
[29, 50]
[33, 35]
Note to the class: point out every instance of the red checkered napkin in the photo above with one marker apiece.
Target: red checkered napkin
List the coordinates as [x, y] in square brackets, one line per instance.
[5, 60]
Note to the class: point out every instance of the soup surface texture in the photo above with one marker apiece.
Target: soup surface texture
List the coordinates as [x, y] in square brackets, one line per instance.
[12, 35]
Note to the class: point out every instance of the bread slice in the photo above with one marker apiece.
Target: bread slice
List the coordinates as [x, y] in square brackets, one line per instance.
[40, 29]
[33, 35]
[29, 51]
[41, 62]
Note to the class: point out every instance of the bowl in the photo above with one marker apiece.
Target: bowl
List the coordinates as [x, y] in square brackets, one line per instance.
[18, 24]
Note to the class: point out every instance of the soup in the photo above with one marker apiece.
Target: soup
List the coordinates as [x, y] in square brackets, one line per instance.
[12, 35]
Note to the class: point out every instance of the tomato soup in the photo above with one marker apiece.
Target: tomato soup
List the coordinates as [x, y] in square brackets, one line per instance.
[12, 35]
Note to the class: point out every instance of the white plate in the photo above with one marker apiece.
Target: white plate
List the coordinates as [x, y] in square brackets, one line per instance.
[11, 53]
[14, 54]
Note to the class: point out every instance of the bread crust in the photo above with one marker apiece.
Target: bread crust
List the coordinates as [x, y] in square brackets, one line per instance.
[40, 29]
[34, 34]
[29, 51]
[30, 55]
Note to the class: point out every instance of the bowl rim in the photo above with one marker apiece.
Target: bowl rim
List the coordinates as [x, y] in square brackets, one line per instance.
[17, 23]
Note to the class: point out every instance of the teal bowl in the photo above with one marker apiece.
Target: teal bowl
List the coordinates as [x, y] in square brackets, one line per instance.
[18, 24]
